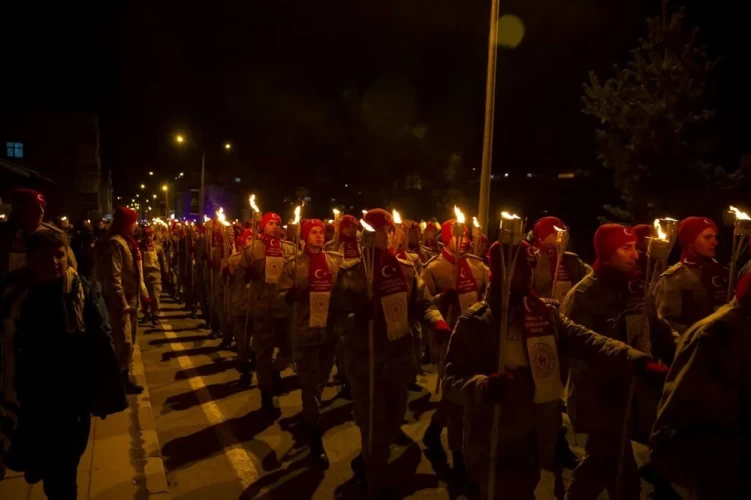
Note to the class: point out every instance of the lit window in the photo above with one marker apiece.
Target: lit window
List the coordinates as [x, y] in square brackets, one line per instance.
[14, 149]
[529, 176]
[237, 180]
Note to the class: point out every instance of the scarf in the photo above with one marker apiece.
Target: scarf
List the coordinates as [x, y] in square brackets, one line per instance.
[274, 261]
[349, 246]
[466, 286]
[565, 280]
[320, 282]
[713, 276]
[134, 248]
[390, 288]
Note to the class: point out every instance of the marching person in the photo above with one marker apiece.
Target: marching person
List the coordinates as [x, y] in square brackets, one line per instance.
[66, 369]
[643, 232]
[155, 271]
[539, 342]
[571, 269]
[409, 249]
[263, 264]
[214, 278]
[701, 439]
[696, 286]
[313, 338]
[610, 301]
[185, 266]
[124, 289]
[398, 293]
[238, 304]
[200, 254]
[455, 288]
[429, 247]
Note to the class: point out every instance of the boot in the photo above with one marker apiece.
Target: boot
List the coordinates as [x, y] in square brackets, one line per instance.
[155, 320]
[267, 403]
[317, 452]
[130, 386]
[459, 471]
[358, 469]
[432, 437]
[563, 453]
[246, 374]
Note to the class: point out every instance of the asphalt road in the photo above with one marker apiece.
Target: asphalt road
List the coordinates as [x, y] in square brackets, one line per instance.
[216, 443]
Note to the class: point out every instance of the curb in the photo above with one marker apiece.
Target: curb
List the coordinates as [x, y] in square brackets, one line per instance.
[145, 449]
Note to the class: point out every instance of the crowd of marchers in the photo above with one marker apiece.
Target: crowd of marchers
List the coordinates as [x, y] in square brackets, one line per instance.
[521, 332]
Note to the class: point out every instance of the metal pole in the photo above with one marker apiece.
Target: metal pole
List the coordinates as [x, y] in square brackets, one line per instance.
[203, 174]
[487, 145]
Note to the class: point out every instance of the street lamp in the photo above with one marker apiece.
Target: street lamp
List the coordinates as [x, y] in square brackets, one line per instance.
[227, 146]
[166, 201]
[143, 186]
[180, 139]
[154, 197]
[151, 173]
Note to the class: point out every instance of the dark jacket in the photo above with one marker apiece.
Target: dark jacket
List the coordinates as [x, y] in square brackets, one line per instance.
[65, 362]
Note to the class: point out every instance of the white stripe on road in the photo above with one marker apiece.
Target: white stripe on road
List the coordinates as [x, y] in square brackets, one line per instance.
[239, 458]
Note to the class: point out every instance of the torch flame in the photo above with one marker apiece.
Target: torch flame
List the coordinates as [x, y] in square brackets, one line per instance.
[253, 203]
[559, 229]
[397, 217]
[661, 235]
[366, 226]
[206, 218]
[222, 218]
[475, 222]
[459, 215]
[336, 213]
[507, 215]
[423, 225]
[739, 215]
[297, 214]
[364, 212]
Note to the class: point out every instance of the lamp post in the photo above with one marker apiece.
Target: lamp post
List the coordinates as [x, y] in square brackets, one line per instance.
[166, 200]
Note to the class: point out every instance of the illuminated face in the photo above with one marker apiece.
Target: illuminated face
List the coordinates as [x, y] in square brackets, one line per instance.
[625, 259]
[350, 231]
[705, 245]
[464, 244]
[272, 228]
[384, 237]
[430, 233]
[550, 240]
[316, 238]
[48, 264]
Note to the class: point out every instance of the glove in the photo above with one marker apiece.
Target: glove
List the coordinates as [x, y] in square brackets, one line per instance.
[495, 387]
[650, 370]
[449, 298]
[442, 331]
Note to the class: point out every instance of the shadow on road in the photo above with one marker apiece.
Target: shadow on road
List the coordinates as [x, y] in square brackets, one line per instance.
[219, 365]
[191, 338]
[198, 351]
[420, 405]
[299, 480]
[214, 392]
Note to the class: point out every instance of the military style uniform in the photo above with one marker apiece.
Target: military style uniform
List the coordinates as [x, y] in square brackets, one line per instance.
[268, 314]
[527, 430]
[199, 273]
[154, 267]
[440, 275]
[395, 364]
[314, 347]
[688, 292]
[611, 305]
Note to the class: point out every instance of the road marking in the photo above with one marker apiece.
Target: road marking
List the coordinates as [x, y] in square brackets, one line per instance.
[239, 458]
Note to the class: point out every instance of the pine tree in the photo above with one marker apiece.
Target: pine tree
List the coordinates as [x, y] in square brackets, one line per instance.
[658, 131]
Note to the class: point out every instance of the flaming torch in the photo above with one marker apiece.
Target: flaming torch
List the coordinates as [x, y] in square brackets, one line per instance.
[741, 234]
[510, 236]
[397, 240]
[255, 218]
[367, 241]
[476, 235]
[658, 250]
[296, 225]
[228, 242]
[561, 241]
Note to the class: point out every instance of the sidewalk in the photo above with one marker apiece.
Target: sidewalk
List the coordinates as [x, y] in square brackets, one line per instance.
[122, 459]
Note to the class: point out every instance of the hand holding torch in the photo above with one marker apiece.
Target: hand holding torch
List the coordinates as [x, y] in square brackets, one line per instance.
[367, 243]
[561, 242]
[295, 227]
[255, 219]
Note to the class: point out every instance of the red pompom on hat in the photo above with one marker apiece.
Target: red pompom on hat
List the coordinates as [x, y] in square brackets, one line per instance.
[609, 238]
[308, 225]
[447, 234]
[268, 217]
[27, 198]
[691, 227]
[545, 227]
[379, 218]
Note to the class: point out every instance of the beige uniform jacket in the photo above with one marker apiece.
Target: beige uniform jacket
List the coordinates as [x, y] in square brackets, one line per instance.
[122, 280]
[439, 275]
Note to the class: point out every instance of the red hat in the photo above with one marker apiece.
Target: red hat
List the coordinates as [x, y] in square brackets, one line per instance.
[446, 233]
[26, 198]
[545, 227]
[609, 238]
[310, 224]
[379, 218]
[269, 216]
[348, 221]
[148, 230]
[643, 231]
[124, 216]
[690, 229]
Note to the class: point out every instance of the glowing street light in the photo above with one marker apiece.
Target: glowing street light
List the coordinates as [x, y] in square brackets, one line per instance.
[143, 186]
[151, 173]
[180, 139]
[164, 188]
[154, 196]
[227, 146]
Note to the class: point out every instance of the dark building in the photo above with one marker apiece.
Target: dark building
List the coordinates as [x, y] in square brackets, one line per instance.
[63, 148]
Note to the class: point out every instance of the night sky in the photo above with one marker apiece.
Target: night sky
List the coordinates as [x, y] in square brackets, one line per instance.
[331, 91]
